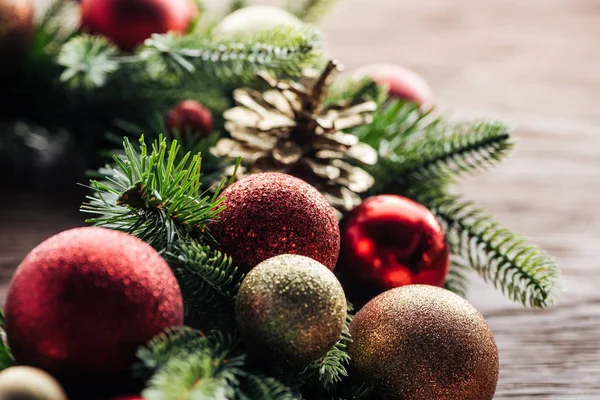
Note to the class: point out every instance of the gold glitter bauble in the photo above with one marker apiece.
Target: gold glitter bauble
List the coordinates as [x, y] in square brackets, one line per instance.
[27, 383]
[422, 342]
[291, 306]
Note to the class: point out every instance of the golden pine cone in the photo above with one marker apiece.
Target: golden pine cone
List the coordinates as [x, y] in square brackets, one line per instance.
[289, 128]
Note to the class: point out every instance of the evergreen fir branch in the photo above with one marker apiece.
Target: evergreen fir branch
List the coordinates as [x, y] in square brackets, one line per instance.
[310, 10]
[178, 343]
[466, 150]
[394, 125]
[189, 366]
[520, 270]
[260, 387]
[6, 358]
[203, 274]
[363, 90]
[232, 62]
[171, 343]
[458, 276]
[55, 26]
[153, 196]
[195, 377]
[88, 61]
[212, 167]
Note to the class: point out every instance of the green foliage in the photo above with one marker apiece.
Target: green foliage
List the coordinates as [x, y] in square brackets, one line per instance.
[417, 148]
[467, 149]
[520, 270]
[171, 343]
[458, 276]
[310, 10]
[169, 59]
[231, 62]
[260, 387]
[195, 377]
[152, 195]
[205, 275]
[88, 61]
[187, 365]
[6, 358]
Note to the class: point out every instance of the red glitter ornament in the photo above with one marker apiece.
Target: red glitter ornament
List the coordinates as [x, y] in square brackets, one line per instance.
[390, 241]
[189, 117]
[402, 83]
[129, 22]
[269, 214]
[82, 302]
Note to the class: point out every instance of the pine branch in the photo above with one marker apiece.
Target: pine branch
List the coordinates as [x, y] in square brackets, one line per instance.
[520, 270]
[310, 10]
[466, 150]
[195, 377]
[178, 343]
[260, 387]
[212, 167]
[88, 61]
[458, 276]
[153, 196]
[203, 274]
[190, 368]
[171, 343]
[394, 125]
[6, 358]
[233, 62]
[417, 148]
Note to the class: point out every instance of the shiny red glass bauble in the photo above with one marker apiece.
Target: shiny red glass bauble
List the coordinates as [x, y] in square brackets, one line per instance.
[128, 23]
[83, 301]
[390, 241]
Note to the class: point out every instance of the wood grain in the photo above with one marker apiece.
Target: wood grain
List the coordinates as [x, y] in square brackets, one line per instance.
[532, 62]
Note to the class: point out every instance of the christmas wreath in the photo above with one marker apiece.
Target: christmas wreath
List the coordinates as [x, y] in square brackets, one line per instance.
[262, 228]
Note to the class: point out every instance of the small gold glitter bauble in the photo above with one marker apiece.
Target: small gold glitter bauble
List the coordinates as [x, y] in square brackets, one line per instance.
[421, 342]
[291, 306]
[27, 383]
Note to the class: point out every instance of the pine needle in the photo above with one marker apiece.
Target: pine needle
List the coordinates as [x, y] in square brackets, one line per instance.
[520, 270]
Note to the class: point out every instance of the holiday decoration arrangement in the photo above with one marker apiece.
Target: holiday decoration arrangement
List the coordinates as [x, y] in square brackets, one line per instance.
[262, 225]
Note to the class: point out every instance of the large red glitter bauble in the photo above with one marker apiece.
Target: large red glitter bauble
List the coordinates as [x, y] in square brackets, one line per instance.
[82, 302]
[189, 117]
[270, 214]
[129, 22]
[402, 83]
[390, 241]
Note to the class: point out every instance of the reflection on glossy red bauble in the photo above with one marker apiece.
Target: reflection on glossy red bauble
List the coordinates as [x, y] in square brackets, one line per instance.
[128, 23]
[390, 241]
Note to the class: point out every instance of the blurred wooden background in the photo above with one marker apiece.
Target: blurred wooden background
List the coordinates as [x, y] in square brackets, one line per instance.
[535, 63]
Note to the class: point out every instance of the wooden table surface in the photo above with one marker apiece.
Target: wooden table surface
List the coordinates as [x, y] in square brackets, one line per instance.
[535, 63]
